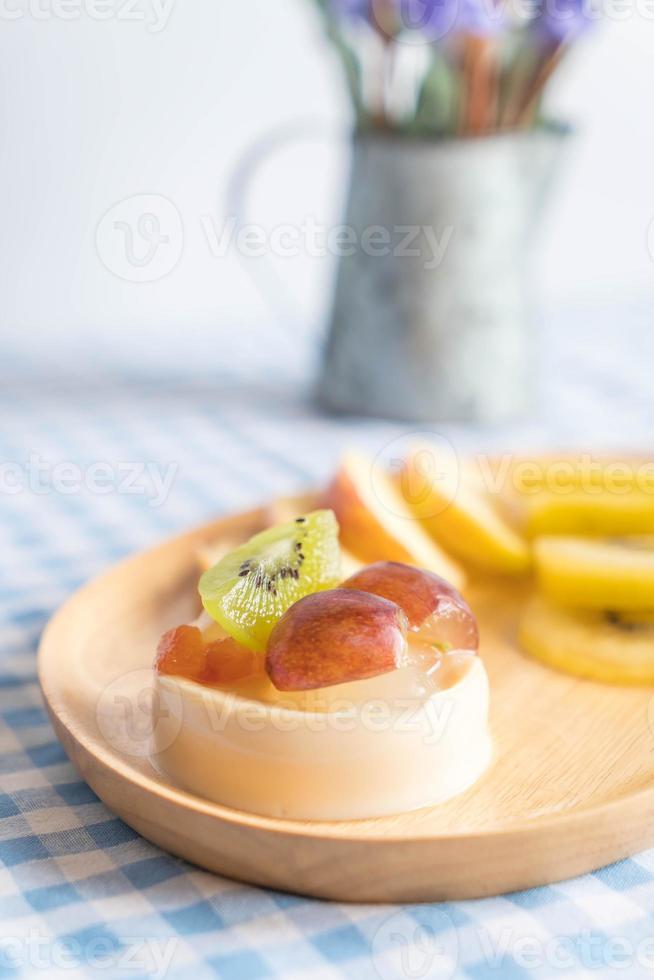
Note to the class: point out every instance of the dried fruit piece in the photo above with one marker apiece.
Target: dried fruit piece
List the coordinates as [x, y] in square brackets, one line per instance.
[596, 513]
[181, 652]
[589, 573]
[377, 524]
[602, 646]
[564, 474]
[334, 637]
[229, 661]
[462, 515]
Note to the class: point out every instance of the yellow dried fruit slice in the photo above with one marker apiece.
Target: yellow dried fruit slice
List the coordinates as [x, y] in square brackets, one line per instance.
[601, 646]
[586, 473]
[377, 524]
[586, 513]
[463, 516]
[592, 573]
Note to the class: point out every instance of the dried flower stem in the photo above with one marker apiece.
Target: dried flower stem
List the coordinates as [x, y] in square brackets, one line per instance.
[535, 89]
[383, 66]
[481, 86]
[525, 94]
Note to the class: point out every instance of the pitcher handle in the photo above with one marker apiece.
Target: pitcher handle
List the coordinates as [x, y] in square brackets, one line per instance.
[271, 286]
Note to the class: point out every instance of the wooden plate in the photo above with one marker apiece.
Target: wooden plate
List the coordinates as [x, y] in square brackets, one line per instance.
[571, 787]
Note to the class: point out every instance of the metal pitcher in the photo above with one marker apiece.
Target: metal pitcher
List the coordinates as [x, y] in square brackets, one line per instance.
[432, 316]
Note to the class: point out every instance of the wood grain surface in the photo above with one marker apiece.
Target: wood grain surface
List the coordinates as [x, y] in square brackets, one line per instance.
[571, 786]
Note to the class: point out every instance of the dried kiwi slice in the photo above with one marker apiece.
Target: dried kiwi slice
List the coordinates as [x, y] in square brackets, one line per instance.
[598, 513]
[617, 648]
[592, 573]
[249, 589]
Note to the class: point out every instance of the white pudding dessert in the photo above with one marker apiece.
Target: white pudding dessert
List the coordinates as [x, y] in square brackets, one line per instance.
[301, 696]
[363, 749]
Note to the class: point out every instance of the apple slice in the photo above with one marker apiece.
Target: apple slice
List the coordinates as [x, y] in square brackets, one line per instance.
[377, 524]
[462, 515]
[334, 637]
[438, 615]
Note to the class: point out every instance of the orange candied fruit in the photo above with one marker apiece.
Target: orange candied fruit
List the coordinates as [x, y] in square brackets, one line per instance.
[228, 661]
[182, 652]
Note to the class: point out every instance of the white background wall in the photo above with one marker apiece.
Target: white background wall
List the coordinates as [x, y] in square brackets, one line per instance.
[92, 112]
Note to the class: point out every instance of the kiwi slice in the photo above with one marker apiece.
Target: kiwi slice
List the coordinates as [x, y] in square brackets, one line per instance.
[249, 589]
[597, 573]
[628, 622]
[616, 648]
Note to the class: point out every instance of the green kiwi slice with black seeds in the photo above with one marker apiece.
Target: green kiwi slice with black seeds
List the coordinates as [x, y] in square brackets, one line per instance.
[249, 589]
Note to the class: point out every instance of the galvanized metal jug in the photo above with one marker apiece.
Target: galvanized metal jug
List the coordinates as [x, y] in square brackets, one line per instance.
[432, 316]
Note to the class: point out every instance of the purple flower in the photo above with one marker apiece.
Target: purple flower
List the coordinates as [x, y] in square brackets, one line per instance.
[432, 19]
[435, 19]
[426, 16]
[561, 21]
[481, 17]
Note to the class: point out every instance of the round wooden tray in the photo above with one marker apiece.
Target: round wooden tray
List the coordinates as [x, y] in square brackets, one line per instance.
[571, 786]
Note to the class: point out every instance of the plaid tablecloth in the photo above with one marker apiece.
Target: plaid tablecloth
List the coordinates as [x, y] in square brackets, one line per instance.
[81, 894]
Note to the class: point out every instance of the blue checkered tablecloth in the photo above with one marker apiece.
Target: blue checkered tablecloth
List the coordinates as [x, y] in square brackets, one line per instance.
[81, 894]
